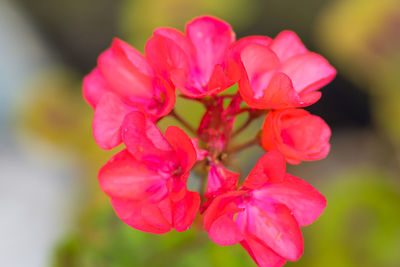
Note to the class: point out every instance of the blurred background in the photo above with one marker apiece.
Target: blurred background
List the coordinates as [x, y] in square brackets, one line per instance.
[53, 212]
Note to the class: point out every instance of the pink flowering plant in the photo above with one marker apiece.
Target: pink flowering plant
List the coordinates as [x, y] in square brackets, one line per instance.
[147, 181]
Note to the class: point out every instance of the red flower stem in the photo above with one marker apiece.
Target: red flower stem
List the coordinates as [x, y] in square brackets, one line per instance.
[183, 122]
[250, 143]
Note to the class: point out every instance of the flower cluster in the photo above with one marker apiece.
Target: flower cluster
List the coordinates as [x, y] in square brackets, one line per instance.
[147, 181]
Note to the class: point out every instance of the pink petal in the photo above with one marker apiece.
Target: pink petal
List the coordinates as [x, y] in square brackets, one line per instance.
[211, 38]
[185, 211]
[308, 71]
[301, 198]
[237, 48]
[135, 57]
[163, 101]
[286, 45]
[270, 168]
[224, 232]
[261, 253]
[169, 49]
[307, 138]
[201, 153]
[181, 41]
[94, 86]
[297, 134]
[177, 184]
[220, 180]
[280, 93]
[127, 71]
[184, 85]
[277, 228]
[130, 212]
[222, 205]
[260, 64]
[185, 152]
[125, 177]
[108, 117]
[309, 98]
[159, 214]
[143, 139]
[219, 81]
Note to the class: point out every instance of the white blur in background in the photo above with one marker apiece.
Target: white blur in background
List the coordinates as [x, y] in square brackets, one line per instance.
[37, 185]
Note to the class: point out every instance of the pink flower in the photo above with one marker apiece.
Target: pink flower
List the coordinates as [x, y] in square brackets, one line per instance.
[265, 214]
[280, 73]
[147, 181]
[196, 61]
[220, 180]
[124, 81]
[297, 134]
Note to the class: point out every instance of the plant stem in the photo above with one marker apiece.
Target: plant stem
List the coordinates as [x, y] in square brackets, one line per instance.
[250, 143]
[243, 110]
[183, 122]
[244, 126]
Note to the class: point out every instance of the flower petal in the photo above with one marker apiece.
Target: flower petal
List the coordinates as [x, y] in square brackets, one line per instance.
[237, 48]
[94, 87]
[185, 211]
[297, 134]
[163, 100]
[108, 117]
[308, 72]
[185, 152]
[222, 205]
[143, 139]
[127, 71]
[260, 64]
[277, 228]
[270, 168]
[169, 49]
[220, 80]
[220, 180]
[201, 153]
[130, 212]
[286, 45]
[261, 253]
[301, 198]
[125, 177]
[224, 232]
[212, 38]
[159, 214]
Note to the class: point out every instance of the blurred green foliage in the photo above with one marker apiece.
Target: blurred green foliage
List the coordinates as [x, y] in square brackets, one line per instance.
[363, 39]
[360, 226]
[138, 18]
[103, 240]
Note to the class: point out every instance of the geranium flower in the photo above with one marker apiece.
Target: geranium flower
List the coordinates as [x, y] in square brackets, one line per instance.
[147, 181]
[265, 214]
[281, 73]
[196, 61]
[297, 134]
[124, 81]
